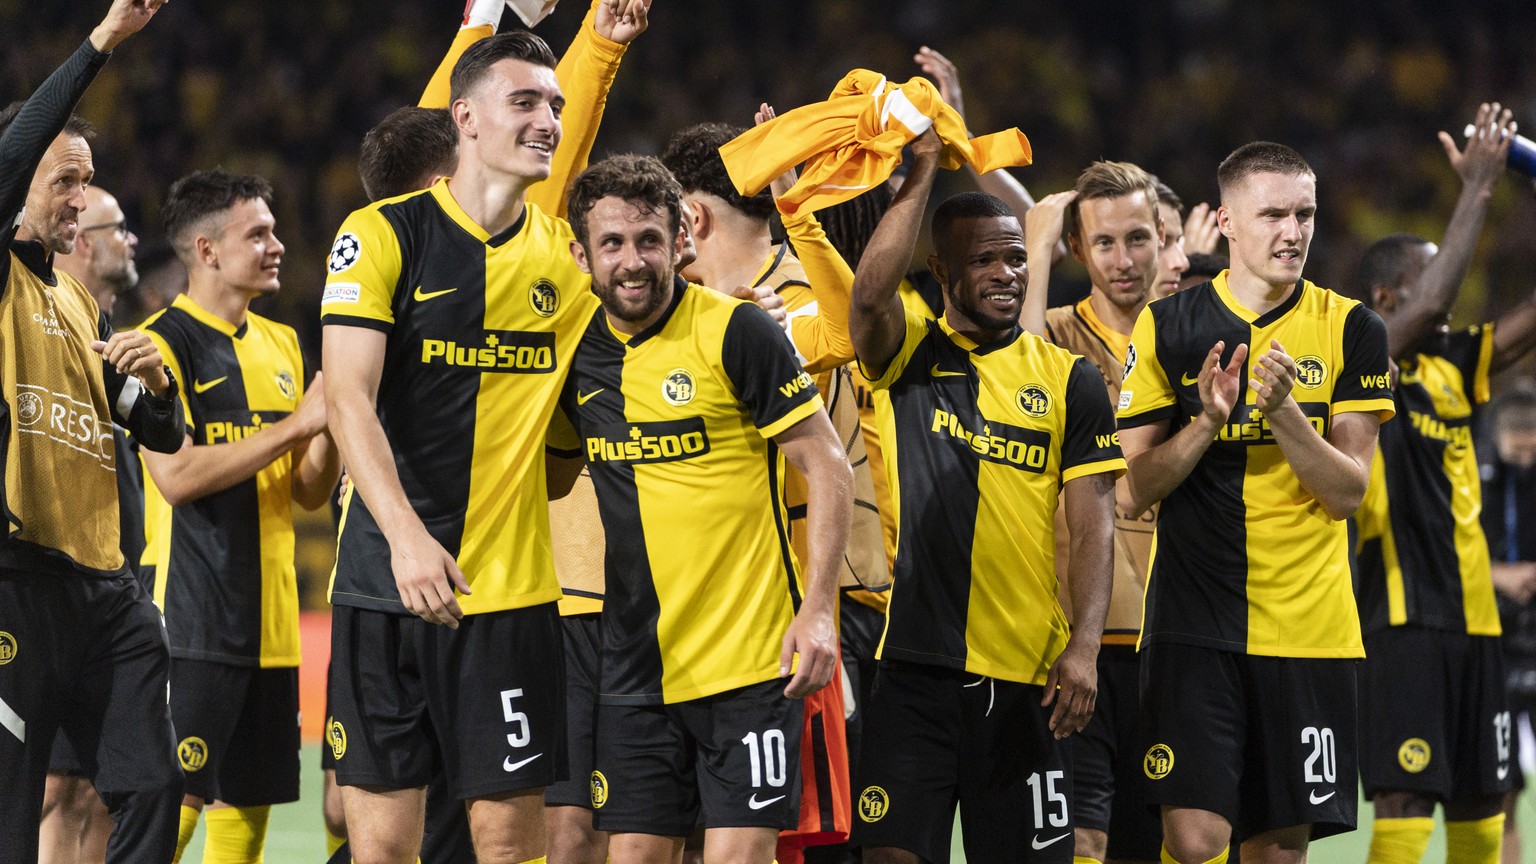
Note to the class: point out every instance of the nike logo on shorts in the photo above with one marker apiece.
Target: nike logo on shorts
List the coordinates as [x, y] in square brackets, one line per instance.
[509, 766]
[1313, 797]
[1035, 843]
[758, 805]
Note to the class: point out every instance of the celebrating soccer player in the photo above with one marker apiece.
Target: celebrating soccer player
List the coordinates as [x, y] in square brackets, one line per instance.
[1250, 409]
[81, 646]
[1435, 726]
[985, 430]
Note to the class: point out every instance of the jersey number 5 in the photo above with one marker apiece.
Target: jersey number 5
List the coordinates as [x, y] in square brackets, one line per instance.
[520, 737]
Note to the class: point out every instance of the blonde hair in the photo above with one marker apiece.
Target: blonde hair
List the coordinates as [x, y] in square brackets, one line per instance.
[1110, 180]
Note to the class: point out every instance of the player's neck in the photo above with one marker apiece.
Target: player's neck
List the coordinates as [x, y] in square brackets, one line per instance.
[223, 303]
[1257, 295]
[1120, 320]
[730, 258]
[495, 201]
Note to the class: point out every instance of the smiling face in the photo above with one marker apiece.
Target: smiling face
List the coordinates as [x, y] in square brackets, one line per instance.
[510, 120]
[982, 266]
[57, 195]
[1267, 219]
[1117, 241]
[247, 253]
[632, 258]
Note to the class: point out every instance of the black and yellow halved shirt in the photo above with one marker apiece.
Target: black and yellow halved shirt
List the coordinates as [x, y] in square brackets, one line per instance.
[675, 424]
[224, 571]
[1245, 559]
[481, 330]
[1424, 557]
[978, 440]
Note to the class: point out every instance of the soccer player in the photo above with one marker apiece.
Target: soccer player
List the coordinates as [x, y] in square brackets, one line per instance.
[75, 824]
[684, 400]
[986, 428]
[224, 574]
[1172, 262]
[1117, 228]
[445, 387]
[81, 646]
[1250, 634]
[1435, 724]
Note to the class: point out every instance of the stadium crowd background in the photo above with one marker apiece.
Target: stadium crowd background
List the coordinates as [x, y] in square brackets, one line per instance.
[288, 90]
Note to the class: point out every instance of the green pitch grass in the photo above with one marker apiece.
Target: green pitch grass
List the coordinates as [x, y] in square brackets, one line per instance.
[296, 834]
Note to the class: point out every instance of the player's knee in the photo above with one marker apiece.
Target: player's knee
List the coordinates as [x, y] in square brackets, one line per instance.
[390, 849]
[1403, 805]
[1091, 843]
[67, 797]
[1193, 845]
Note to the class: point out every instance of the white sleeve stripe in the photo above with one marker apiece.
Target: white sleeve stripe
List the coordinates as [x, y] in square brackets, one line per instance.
[128, 396]
[13, 722]
[906, 113]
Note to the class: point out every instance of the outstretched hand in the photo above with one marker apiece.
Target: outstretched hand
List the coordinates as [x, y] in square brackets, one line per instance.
[124, 18]
[1201, 233]
[622, 21]
[784, 182]
[944, 75]
[1481, 164]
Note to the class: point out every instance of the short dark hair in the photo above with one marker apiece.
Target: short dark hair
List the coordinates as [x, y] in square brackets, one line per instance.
[1209, 266]
[405, 150]
[202, 194]
[849, 224]
[1385, 262]
[1166, 195]
[639, 180]
[478, 59]
[966, 205]
[75, 124]
[693, 157]
[1259, 157]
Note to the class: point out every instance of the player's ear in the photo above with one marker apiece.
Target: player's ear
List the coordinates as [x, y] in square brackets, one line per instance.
[1075, 243]
[1383, 299]
[203, 251]
[579, 252]
[1224, 221]
[940, 270]
[463, 117]
[703, 219]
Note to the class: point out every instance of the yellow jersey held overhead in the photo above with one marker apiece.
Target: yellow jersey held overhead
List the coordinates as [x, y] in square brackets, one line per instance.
[676, 424]
[1245, 559]
[978, 441]
[481, 331]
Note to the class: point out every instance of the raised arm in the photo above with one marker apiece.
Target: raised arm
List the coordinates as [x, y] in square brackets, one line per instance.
[876, 318]
[1480, 167]
[812, 446]
[1043, 226]
[586, 74]
[1514, 333]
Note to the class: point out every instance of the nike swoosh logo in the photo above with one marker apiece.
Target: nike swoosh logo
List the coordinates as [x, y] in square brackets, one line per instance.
[204, 386]
[1503, 771]
[1186, 380]
[1312, 796]
[584, 398]
[758, 805]
[428, 295]
[509, 766]
[1035, 840]
[936, 372]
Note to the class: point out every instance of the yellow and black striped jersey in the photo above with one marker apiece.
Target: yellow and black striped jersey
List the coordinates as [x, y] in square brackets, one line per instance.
[1424, 557]
[1245, 559]
[1078, 329]
[481, 330]
[676, 426]
[224, 571]
[978, 440]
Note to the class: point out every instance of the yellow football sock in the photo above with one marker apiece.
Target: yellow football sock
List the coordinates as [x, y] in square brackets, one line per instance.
[542, 859]
[184, 832]
[333, 842]
[1084, 859]
[1399, 841]
[1474, 841]
[1219, 859]
[236, 835]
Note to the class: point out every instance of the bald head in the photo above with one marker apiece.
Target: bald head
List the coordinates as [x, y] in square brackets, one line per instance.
[104, 247]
